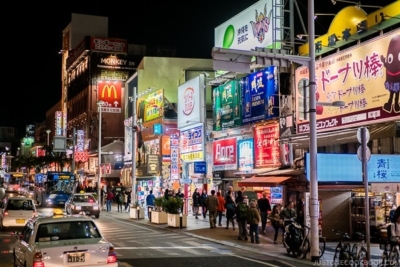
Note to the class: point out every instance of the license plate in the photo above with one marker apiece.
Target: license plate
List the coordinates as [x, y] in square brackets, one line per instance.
[20, 220]
[61, 202]
[76, 257]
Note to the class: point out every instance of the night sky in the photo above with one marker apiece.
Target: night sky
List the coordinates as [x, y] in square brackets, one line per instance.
[32, 35]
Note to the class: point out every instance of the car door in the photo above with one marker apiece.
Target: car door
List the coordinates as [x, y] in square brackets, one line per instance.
[22, 247]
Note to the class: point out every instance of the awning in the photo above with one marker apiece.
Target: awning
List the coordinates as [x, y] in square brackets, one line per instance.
[342, 136]
[264, 181]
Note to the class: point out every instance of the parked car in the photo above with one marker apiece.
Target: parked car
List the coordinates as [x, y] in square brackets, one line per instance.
[62, 240]
[16, 211]
[82, 203]
[57, 198]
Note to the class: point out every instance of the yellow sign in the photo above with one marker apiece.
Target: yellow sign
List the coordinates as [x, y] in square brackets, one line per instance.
[153, 105]
[193, 156]
[355, 87]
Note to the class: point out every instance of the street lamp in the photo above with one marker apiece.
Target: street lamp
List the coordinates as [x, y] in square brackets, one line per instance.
[133, 99]
[48, 138]
[99, 105]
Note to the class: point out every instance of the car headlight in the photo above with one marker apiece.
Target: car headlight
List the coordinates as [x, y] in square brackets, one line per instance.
[77, 207]
[96, 207]
[48, 200]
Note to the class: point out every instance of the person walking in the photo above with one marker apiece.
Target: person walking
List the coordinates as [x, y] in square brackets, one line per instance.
[128, 201]
[203, 198]
[241, 216]
[288, 213]
[110, 197]
[120, 200]
[181, 196]
[125, 195]
[230, 211]
[212, 204]
[220, 208]
[263, 207]
[196, 202]
[253, 218]
[276, 220]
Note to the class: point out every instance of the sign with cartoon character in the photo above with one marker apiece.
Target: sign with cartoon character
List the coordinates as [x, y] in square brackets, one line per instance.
[355, 87]
[226, 106]
[251, 28]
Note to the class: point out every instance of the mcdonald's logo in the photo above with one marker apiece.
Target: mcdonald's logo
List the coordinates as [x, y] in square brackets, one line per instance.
[110, 89]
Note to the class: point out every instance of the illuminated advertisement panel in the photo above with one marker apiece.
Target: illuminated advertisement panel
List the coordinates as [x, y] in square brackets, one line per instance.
[266, 146]
[355, 87]
[110, 94]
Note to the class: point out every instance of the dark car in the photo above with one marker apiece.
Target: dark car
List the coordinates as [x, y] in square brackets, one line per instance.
[57, 198]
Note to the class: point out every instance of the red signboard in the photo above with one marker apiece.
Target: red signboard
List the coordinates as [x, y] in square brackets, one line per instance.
[110, 93]
[225, 154]
[109, 44]
[266, 146]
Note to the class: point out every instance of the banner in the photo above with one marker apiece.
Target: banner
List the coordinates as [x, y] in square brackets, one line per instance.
[153, 105]
[245, 154]
[192, 144]
[153, 164]
[226, 106]
[110, 94]
[355, 87]
[225, 154]
[266, 151]
[260, 95]
[174, 158]
[165, 145]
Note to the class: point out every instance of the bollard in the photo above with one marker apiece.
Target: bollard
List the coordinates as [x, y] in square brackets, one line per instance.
[149, 210]
[138, 211]
[180, 220]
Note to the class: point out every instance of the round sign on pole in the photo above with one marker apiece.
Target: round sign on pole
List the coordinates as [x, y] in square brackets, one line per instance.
[367, 154]
[359, 135]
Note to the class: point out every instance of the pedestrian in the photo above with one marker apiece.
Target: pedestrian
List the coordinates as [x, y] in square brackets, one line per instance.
[203, 198]
[264, 207]
[150, 199]
[181, 196]
[110, 197]
[103, 198]
[120, 200]
[212, 204]
[125, 197]
[166, 194]
[288, 214]
[230, 211]
[253, 218]
[196, 202]
[276, 220]
[241, 216]
[220, 208]
[128, 201]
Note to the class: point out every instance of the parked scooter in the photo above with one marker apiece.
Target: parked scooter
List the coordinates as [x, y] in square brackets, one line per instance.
[292, 236]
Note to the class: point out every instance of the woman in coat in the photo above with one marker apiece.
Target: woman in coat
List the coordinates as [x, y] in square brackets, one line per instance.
[230, 211]
[203, 198]
[196, 202]
[276, 220]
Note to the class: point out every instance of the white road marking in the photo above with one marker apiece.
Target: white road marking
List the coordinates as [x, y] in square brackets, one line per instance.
[184, 247]
[260, 262]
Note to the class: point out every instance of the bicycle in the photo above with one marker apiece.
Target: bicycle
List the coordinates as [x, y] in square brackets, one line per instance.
[342, 254]
[394, 254]
[305, 247]
[386, 246]
[359, 251]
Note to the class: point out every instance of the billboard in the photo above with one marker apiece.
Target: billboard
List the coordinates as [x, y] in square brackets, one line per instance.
[58, 123]
[251, 28]
[260, 95]
[358, 86]
[101, 44]
[245, 154]
[111, 94]
[192, 143]
[154, 105]
[191, 102]
[225, 154]
[226, 106]
[266, 146]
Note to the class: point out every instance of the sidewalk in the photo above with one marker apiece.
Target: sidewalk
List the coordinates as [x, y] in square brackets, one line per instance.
[200, 228]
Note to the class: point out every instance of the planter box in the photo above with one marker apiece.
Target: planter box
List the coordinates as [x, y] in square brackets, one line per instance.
[134, 212]
[173, 220]
[159, 217]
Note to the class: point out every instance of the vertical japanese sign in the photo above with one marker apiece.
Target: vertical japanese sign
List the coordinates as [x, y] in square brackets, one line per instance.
[226, 106]
[58, 123]
[225, 154]
[192, 143]
[80, 141]
[174, 158]
[245, 154]
[266, 146]
[354, 87]
[260, 95]
[110, 93]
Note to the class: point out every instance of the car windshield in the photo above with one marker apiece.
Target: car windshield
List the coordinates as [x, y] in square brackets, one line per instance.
[67, 230]
[84, 198]
[20, 204]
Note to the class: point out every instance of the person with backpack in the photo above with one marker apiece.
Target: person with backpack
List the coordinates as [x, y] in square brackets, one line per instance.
[230, 211]
[120, 200]
[241, 216]
[253, 218]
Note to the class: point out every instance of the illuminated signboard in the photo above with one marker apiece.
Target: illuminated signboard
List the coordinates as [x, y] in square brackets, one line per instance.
[110, 94]
[355, 87]
[245, 154]
[58, 123]
[192, 143]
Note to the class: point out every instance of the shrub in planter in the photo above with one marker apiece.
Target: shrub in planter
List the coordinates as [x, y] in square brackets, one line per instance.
[173, 205]
[159, 203]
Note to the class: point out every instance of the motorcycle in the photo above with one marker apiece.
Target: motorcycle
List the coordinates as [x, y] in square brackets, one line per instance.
[292, 236]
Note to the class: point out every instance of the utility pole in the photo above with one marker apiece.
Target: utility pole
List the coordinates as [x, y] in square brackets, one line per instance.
[134, 138]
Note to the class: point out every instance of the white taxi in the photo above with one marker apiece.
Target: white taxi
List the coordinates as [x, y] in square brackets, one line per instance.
[16, 211]
[63, 241]
[82, 203]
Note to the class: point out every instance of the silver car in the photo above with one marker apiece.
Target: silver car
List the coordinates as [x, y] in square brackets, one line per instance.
[16, 211]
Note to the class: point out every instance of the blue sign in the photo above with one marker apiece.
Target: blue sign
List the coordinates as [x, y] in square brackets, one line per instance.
[260, 95]
[200, 167]
[348, 168]
[245, 154]
[157, 128]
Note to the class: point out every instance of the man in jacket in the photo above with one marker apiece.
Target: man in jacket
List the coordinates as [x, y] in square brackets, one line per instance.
[212, 204]
[263, 207]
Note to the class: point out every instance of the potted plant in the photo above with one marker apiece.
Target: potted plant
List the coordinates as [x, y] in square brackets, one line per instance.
[136, 211]
[172, 207]
[158, 215]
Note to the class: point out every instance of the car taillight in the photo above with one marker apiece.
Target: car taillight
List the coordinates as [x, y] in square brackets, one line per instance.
[112, 256]
[38, 260]
[6, 213]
